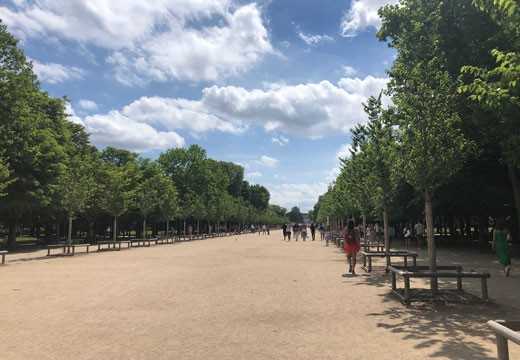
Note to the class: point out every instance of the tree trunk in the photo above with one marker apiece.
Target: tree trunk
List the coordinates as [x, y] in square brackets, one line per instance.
[483, 233]
[198, 227]
[364, 228]
[11, 237]
[58, 235]
[516, 193]
[428, 211]
[167, 228]
[184, 227]
[144, 228]
[386, 236]
[114, 230]
[69, 233]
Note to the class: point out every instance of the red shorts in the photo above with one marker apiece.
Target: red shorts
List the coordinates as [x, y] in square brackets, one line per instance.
[352, 248]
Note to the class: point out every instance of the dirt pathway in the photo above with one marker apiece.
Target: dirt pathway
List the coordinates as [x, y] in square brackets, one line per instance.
[249, 297]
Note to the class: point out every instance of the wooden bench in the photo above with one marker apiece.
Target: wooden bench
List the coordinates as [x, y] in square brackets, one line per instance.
[368, 255]
[63, 248]
[505, 331]
[3, 253]
[450, 272]
[74, 246]
[141, 242]
[108, 245]
[368, 246]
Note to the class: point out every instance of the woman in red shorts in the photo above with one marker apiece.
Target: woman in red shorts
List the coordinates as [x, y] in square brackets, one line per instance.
[351, 246]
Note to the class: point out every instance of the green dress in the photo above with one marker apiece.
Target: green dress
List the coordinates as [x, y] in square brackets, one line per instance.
[501, 247]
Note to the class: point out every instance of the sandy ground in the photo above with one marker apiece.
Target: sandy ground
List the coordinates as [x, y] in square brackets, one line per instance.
[248, 297]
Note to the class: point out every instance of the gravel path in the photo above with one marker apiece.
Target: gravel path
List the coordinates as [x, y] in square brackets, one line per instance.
[248, 297]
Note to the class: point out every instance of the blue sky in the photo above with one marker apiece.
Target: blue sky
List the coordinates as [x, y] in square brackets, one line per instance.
[273, 85]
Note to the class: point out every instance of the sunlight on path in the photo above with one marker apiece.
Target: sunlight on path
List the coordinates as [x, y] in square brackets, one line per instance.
[248, 297]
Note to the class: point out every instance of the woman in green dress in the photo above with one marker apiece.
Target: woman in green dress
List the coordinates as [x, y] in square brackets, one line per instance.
[500, 239]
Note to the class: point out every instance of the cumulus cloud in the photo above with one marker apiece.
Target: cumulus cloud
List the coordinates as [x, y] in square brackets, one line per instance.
[308, 110]
[268, 161]
[116, 129]
[349, 71]
[88, 105]
[280, 140]
[361, 15]
[312, 110]
[314, 39]
[253, 175]
[195, 40]
[53, 73]
[302, 195]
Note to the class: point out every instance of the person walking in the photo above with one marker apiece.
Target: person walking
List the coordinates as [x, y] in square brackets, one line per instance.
[351, 246]
[313, 232]
[500, 245]
[304, 232]
[296, 231]
[284, 231]
[322, 232]
[288, 233]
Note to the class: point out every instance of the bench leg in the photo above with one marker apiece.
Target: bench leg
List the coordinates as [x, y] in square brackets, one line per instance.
[394, 281]
[406, 289]
[48, 252]
[370, 264]
[406, 262]
[502, 348]
[73, 250]
[3, 259]
[484, 289]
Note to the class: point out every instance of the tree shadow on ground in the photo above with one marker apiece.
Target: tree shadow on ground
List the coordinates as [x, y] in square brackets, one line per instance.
[457, 331]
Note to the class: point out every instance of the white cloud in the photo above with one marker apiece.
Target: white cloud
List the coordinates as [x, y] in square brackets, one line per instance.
[254, 174]
[53, 73]
[88, 105]
[280, 140]
[314, 39]
[195, 40]
[342, 153]
[116, 129]
[349, 71]
[302, 195]
[361, 15]
[312, 110]
[268, 161]
[309, 110]
[72, 115]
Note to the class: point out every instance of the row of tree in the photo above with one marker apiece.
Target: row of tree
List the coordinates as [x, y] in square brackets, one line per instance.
[451, 136]
[50, 173]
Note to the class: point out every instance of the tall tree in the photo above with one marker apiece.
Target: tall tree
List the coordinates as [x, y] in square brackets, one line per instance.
[117, 195]
[432, 147]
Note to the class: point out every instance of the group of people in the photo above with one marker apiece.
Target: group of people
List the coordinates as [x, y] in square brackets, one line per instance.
[301, 230]
[262, 229]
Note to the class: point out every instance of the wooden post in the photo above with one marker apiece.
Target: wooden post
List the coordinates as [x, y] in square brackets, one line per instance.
[502, 348]
[407, 289]
[484, 288]
[394, 281]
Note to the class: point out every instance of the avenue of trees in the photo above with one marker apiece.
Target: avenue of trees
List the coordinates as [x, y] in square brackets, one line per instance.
[55, 184]
[447, 149]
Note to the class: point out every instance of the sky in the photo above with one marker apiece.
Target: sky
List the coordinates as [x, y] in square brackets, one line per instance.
[273, 85]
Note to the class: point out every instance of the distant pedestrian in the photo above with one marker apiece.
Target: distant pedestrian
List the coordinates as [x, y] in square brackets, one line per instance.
[500, 244]
[284, 231]
[313, 232]
[351, 246]
[322, 232]
[304, 232]
[288, 233]
[296, 231]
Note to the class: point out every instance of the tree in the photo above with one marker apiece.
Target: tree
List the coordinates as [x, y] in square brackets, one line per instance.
[497, 88]
[431, 145]
[31, 134]
[117, 196]
[168, 203]
[4, 177]
[376, 142]
[75, 189]
[295, 215]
